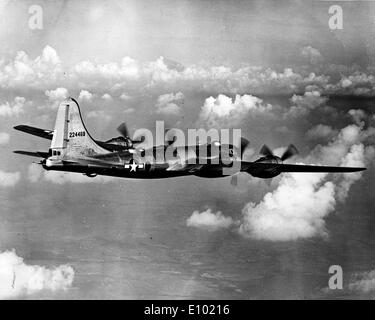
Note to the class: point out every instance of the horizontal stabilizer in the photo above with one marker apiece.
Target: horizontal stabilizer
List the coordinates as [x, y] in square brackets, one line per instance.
[38, 154]
[43, 133]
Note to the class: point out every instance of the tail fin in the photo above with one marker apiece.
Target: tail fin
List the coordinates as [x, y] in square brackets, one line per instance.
[71, 137]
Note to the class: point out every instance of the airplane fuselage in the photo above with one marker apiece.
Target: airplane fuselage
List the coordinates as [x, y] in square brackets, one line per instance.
[132, 164]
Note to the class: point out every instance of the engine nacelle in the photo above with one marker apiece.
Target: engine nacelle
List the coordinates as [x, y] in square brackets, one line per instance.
[268, 172]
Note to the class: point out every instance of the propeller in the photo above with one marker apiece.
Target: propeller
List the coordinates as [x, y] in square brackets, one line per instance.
[123, 130]
[167, 140]
[266, 151]
[290, 151]
[244, 144]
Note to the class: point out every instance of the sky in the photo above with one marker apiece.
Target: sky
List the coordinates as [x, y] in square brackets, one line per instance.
[278, 70]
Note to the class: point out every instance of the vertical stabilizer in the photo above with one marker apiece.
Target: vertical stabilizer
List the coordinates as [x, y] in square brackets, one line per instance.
[70, 137]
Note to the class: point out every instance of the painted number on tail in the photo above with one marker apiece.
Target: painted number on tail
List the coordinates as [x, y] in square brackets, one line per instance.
[76, 134]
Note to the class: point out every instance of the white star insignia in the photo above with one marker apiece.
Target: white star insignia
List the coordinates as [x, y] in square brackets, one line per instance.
[133, 167]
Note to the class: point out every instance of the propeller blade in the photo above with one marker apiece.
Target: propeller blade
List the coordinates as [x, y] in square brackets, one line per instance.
[289, 152]
[167, 139]
[266, 151]
[244, 144]
[123, 130]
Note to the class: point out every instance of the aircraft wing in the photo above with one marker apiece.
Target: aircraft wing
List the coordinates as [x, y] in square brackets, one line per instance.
[92, 162]
[43, 133]
[38, 154]
[297, 167]
[312, 168]
[185, 167]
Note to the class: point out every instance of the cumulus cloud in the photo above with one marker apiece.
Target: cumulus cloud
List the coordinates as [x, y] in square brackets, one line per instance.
[20, 279]
[23, 71]
[124, 96]
[4, 137]
[99, 114]
[9, 179]
[209, 220]
[311, 54]
[169, 103]
[299, 204]
[286, 214]
[85, 95]
[58, 94]
[216, 112]
[321, 131]
[363, 282]
[358, 115]
[47, 70]
[12, 109]
[303, 104]
[107, 97]
[358, 83]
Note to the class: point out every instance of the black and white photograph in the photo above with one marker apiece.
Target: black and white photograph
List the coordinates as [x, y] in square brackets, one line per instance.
[187, 150]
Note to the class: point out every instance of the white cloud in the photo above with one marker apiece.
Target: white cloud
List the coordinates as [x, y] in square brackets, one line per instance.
[9, 179]
[354, 158]
[208, 220]
[48, 71]
[99, 114]
[299, 204]
[12, 109]
[169, 103]
[363, 282]
[294, 210]
[18, 278]
[38, 73]
[85, 95]
[59, 94]
[129, 110]
[311, 54]
[224, 110]
[124, 96]
[107, 97]
[358, 115]
[302, 105]
[56, 96]
[321, 131]
[4, 137]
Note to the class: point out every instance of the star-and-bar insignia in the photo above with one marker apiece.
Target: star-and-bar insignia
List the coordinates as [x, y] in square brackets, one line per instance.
[133, 166]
